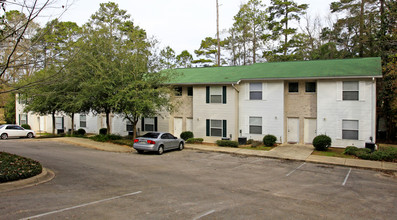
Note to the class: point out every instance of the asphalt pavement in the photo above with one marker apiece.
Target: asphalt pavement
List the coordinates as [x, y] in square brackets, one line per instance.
[192, 184]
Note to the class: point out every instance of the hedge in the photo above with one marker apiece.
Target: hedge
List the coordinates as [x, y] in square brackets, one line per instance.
[225, 143]
[322, 142]
[14, 167]
[269, 140]
[383, 154]
[194, 140]
[26, 126]
[106, 137]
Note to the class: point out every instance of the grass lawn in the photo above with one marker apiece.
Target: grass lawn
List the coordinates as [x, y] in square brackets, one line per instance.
[333, 152]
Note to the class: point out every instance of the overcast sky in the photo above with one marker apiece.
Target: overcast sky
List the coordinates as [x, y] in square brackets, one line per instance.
[181, 24]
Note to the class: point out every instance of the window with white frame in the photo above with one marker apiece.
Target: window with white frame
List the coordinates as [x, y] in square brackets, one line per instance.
[350, 90]
[255, 125]
[129, 126]
[216, 94]
[23, 119]
[255, 91]
[58, 122]
[216, 128]
[83, 121]
[149, 124]
[350, 129]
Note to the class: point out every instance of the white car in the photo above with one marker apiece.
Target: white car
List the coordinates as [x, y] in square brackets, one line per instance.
[7, 131]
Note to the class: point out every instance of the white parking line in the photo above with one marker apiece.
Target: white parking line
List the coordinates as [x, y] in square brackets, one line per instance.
[295, 169]
[205, 214]
[82, 205]
[347, 176]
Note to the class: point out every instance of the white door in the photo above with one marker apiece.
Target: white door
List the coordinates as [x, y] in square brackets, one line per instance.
[189, 124]
[177, 127]
[293, 130]
[310, 130]
[42, 127]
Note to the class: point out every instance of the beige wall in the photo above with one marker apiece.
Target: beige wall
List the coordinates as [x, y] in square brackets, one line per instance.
[299, 105]
[184, 110]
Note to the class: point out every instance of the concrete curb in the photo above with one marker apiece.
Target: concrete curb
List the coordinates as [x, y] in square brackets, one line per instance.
[381, 166]
[45, 176]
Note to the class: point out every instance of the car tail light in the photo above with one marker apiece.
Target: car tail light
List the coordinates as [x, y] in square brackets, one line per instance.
[151, 142]
[136, 141]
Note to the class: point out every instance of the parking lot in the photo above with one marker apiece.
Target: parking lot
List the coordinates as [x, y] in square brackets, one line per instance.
[91, 184]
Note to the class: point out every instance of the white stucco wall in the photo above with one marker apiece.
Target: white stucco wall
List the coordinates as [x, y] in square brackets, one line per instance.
[270, 108]
[332, 110]
[217, 111]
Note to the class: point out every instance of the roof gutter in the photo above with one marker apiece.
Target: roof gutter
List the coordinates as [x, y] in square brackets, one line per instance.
[238, 82]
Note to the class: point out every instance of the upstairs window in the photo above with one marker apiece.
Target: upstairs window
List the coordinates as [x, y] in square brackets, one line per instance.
[190, 91]
[216, 94]
[310, 87]
[178, 91]
[350, 90]
[255, 91]
[293, 87]
[350, 129]
[23, 119]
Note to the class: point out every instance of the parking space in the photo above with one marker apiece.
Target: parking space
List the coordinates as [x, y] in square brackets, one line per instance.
[193, 185]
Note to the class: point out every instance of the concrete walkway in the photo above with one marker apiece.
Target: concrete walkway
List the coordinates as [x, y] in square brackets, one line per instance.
[287, 151]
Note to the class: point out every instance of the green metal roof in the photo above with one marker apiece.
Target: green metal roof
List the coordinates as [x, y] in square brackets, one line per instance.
[316, 69]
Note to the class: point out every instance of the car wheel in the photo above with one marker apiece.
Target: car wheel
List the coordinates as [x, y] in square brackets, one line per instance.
[180, 146]
[30, 135]
[160, 151]
[4, 136]
[140, 151]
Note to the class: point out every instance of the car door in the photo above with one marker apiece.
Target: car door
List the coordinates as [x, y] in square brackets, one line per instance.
[21, 132]
[12, 131]
[166, 141]
[173, 141]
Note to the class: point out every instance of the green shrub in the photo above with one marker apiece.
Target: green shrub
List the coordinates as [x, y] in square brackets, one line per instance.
[350, 150]
[250, 141]
[322, 142]
[81, 132]
[186, 135]
[225, 143]
[194, 140]
[14, 167]
[103, 131]
[26, 126]
[256, 143]
[106, 137]
[269, 140]
[385, 154]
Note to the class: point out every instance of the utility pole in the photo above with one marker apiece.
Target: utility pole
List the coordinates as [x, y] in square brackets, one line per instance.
[217, 33]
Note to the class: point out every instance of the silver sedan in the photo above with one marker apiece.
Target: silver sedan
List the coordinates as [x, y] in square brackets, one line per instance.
[158, 142]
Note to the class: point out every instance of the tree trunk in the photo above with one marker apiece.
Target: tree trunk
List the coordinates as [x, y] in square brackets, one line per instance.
[108, 121]
[361, 42]
[135, 130]
[72, 130]
[53, 122]
[254, 47]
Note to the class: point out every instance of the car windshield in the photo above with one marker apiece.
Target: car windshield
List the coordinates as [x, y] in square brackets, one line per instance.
[151, 135]
[2, 126]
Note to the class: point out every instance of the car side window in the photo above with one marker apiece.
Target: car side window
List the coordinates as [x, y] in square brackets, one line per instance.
[170, 136]
[164, 136]
[18, 128]
[10, 127]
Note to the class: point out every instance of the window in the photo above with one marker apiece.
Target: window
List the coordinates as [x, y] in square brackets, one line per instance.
[149, 124]
[350, 129]
[83, 121]
[350, 90]
[293, 87]
[58, 122]
[216, 94]
[190, 91]
[255, 125]
[310, 87]
[129, 126]
[178, 91]
[255, 91]
[216, 128]
[23, 119]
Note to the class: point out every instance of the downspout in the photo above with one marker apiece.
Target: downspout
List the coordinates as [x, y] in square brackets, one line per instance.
[237, 133]
[373, 132]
